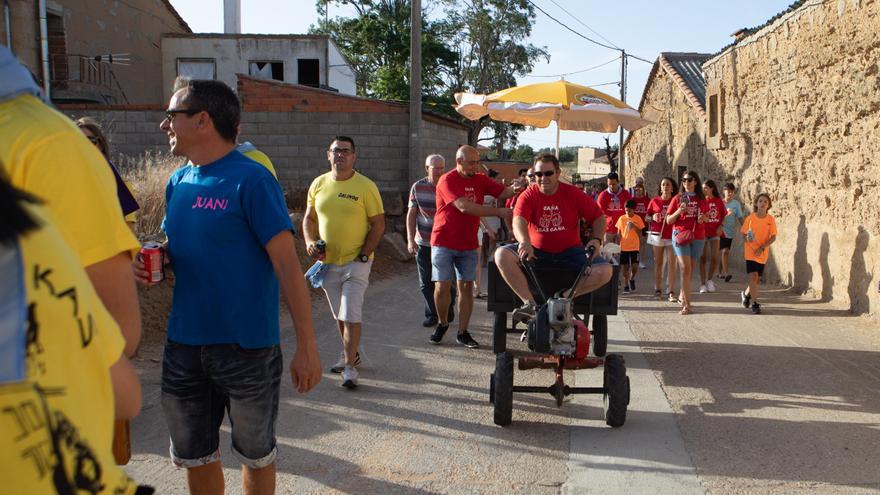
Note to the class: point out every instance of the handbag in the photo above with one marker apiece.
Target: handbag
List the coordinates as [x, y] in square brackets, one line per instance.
[684, 237]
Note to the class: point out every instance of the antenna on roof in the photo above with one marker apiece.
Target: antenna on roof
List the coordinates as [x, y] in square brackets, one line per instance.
[114, 58]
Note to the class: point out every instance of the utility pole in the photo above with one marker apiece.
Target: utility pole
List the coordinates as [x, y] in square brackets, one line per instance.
[415, 93]
[620, 157]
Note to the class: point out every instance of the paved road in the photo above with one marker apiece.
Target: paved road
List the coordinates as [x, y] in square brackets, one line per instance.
[421, 422]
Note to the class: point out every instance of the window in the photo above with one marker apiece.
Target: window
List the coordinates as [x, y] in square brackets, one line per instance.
[308, 71]
[266, 70]
[715, 138]
[197, 68]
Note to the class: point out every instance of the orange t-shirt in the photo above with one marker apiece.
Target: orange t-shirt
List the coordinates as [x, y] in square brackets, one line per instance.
[629, 237]
[762, 229]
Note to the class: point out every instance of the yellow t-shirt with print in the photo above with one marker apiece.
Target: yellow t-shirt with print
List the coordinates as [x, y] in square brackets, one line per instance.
[57, 422]
[343, 207]
[43, 153]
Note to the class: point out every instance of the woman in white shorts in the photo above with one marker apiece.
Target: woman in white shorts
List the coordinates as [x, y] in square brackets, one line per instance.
[660, 237]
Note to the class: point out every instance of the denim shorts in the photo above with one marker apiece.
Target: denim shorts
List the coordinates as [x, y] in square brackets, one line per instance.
[572, 259]
[694, 249]
[450, 264]
[201, 382]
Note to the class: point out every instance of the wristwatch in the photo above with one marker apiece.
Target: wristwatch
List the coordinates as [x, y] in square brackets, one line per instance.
[363, 258]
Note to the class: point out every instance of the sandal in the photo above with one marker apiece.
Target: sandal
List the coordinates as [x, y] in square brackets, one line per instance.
[673, 298]
[685, 310]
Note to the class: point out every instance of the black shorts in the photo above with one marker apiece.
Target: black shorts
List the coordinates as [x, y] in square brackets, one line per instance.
[629, 257]
[754, 267]
[725, 243]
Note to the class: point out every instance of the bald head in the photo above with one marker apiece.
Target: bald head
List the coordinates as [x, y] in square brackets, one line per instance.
[466, 160]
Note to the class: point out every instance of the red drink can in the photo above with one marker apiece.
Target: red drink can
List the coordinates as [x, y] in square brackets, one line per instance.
[154, 261]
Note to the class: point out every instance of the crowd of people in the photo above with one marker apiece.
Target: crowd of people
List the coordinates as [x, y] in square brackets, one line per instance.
[70, 323]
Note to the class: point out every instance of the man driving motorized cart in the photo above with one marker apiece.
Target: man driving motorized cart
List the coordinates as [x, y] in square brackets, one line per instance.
[549, 253]
[546, 226]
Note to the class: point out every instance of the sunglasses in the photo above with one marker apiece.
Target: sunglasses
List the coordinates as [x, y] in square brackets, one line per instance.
[687, 179]
[170, 113]
[548, 173]
[93, 139]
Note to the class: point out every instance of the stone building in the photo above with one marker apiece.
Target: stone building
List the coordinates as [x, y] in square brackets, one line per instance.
[592, 163]
[81, 36]
[792, 108]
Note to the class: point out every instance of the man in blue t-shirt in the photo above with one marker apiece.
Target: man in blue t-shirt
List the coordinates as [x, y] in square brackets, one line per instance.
[230, 243]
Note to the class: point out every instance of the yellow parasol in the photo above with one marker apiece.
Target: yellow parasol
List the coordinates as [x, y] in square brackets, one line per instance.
[572, 106]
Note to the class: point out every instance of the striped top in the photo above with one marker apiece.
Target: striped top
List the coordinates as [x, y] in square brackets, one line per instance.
[423, 197]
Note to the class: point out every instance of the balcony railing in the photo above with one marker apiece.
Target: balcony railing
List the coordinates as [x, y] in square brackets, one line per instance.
[77, 77]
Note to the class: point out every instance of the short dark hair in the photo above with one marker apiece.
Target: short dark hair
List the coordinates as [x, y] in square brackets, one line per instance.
[548, 157]
[613, 176]
[492, 173]
[730, 187]
[345, 139]
[660, 185]
[215, 98]
[522, 171]
[630, 203]
[759, 196]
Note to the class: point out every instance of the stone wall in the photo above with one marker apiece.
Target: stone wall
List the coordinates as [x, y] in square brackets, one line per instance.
[801, 115]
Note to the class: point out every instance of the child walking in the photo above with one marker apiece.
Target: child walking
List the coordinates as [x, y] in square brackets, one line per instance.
[734, 215]
[759, 232]
[630, 226]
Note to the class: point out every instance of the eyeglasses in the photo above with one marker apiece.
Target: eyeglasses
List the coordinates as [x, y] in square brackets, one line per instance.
[548, 173]
[530, 176]
[93, 139]
[687, 179]
[170, 113]
[341, 151]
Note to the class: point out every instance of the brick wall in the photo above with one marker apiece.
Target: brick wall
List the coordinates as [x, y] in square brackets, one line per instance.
[801, 110]
[293, 125]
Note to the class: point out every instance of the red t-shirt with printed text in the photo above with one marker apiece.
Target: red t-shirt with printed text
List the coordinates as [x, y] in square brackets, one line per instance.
[613, 207]
[688, 219]
[716, 211]
[452, 228]
[553, 219]
[660, 205]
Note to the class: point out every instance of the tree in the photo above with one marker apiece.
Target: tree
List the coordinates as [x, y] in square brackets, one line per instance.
[489, 37]
[523, 153]
[376, 43]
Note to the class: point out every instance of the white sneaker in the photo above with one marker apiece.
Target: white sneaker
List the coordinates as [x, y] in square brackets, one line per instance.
[340, 364]
[710, 285]
[642, 265]
[703, 289]
[350, 377]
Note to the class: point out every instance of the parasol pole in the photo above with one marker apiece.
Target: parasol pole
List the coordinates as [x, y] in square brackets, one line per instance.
[557, 139]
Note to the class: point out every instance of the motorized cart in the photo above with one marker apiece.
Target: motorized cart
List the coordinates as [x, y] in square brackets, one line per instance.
[558, 338]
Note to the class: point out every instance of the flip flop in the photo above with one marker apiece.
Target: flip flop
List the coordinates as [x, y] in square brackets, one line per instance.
[685, 310]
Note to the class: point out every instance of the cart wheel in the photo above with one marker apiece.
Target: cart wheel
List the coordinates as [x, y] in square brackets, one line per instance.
[492, 388]
[600, 335]
[503, 389]
[616, 396]
[499, 332]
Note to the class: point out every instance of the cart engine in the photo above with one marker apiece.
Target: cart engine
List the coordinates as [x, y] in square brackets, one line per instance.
[555, 331]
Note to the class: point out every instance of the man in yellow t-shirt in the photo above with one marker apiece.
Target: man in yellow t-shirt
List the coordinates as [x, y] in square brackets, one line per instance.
[345, 211]
[629, 227]
[43, 153]
[63, 376]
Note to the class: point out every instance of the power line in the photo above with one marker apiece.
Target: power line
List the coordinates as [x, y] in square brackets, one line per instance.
[615, 59]
[591, 40]
[584, 24]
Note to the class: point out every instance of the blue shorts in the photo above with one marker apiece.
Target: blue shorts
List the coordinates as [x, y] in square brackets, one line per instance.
[450, 265]
[694, 249]
[201, 382]
[572, 259]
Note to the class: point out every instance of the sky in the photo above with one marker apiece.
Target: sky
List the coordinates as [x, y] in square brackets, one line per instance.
[644, 28]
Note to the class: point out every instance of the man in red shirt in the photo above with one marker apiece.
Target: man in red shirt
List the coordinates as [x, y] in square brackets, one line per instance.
[545, 224]
[454, 244]
[611, 202]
